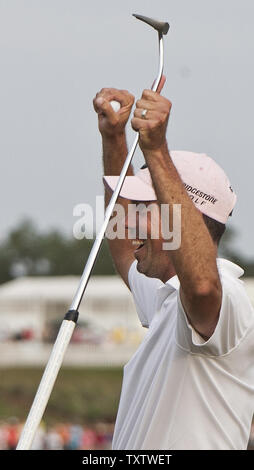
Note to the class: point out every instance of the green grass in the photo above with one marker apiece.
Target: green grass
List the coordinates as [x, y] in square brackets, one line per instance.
[79, 395]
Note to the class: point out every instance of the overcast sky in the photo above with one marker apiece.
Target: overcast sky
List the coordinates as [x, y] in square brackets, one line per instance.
[56, 54]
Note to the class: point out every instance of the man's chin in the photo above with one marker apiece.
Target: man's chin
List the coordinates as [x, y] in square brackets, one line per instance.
[142, 261]
[140, 267]
[143, 269]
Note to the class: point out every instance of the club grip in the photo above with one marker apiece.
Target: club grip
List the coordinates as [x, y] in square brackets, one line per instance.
[160, 26]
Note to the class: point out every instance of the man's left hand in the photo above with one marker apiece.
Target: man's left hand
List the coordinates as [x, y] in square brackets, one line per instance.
[152, 127]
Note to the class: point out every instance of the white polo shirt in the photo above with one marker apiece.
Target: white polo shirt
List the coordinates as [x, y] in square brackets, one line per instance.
[179, 391]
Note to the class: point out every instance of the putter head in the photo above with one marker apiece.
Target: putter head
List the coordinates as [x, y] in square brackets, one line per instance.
[160, 26]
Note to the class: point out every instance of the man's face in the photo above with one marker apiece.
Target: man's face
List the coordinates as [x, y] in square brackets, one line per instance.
[144, 228]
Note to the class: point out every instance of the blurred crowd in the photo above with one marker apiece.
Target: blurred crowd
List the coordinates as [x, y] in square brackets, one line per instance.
[82, 335]
[63, 436]
[67, 436]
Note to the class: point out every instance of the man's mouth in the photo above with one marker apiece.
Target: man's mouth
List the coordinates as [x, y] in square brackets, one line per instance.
[138, 244]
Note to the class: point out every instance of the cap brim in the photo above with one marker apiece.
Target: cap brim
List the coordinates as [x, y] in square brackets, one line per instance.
[133, 188]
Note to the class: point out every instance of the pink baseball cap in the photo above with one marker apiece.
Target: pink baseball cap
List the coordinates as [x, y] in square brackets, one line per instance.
[204, 180]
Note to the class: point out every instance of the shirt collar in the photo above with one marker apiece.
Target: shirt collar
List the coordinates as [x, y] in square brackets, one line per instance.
[170, 286]
[229, 267]
[224, 265]
[173, 282]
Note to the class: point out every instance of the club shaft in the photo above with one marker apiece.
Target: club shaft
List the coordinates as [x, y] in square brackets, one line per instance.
[67, 326]
[161, 63]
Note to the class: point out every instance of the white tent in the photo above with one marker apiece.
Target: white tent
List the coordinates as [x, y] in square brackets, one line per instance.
[36, 303]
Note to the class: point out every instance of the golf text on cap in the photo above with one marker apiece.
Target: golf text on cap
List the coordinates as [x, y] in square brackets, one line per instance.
[200, 194]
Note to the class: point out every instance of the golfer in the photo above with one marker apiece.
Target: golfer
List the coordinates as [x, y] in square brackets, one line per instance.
[190, 384]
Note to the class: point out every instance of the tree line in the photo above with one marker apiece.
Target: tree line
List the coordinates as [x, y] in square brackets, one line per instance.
[28, 251]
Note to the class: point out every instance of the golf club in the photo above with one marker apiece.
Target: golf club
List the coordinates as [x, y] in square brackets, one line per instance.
[70, 319]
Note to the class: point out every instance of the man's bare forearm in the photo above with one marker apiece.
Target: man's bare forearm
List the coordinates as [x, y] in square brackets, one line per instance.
[114, 153]
[195, 260]
[197, 253]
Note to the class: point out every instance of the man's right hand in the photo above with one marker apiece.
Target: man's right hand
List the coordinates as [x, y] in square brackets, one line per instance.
[112, 123]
